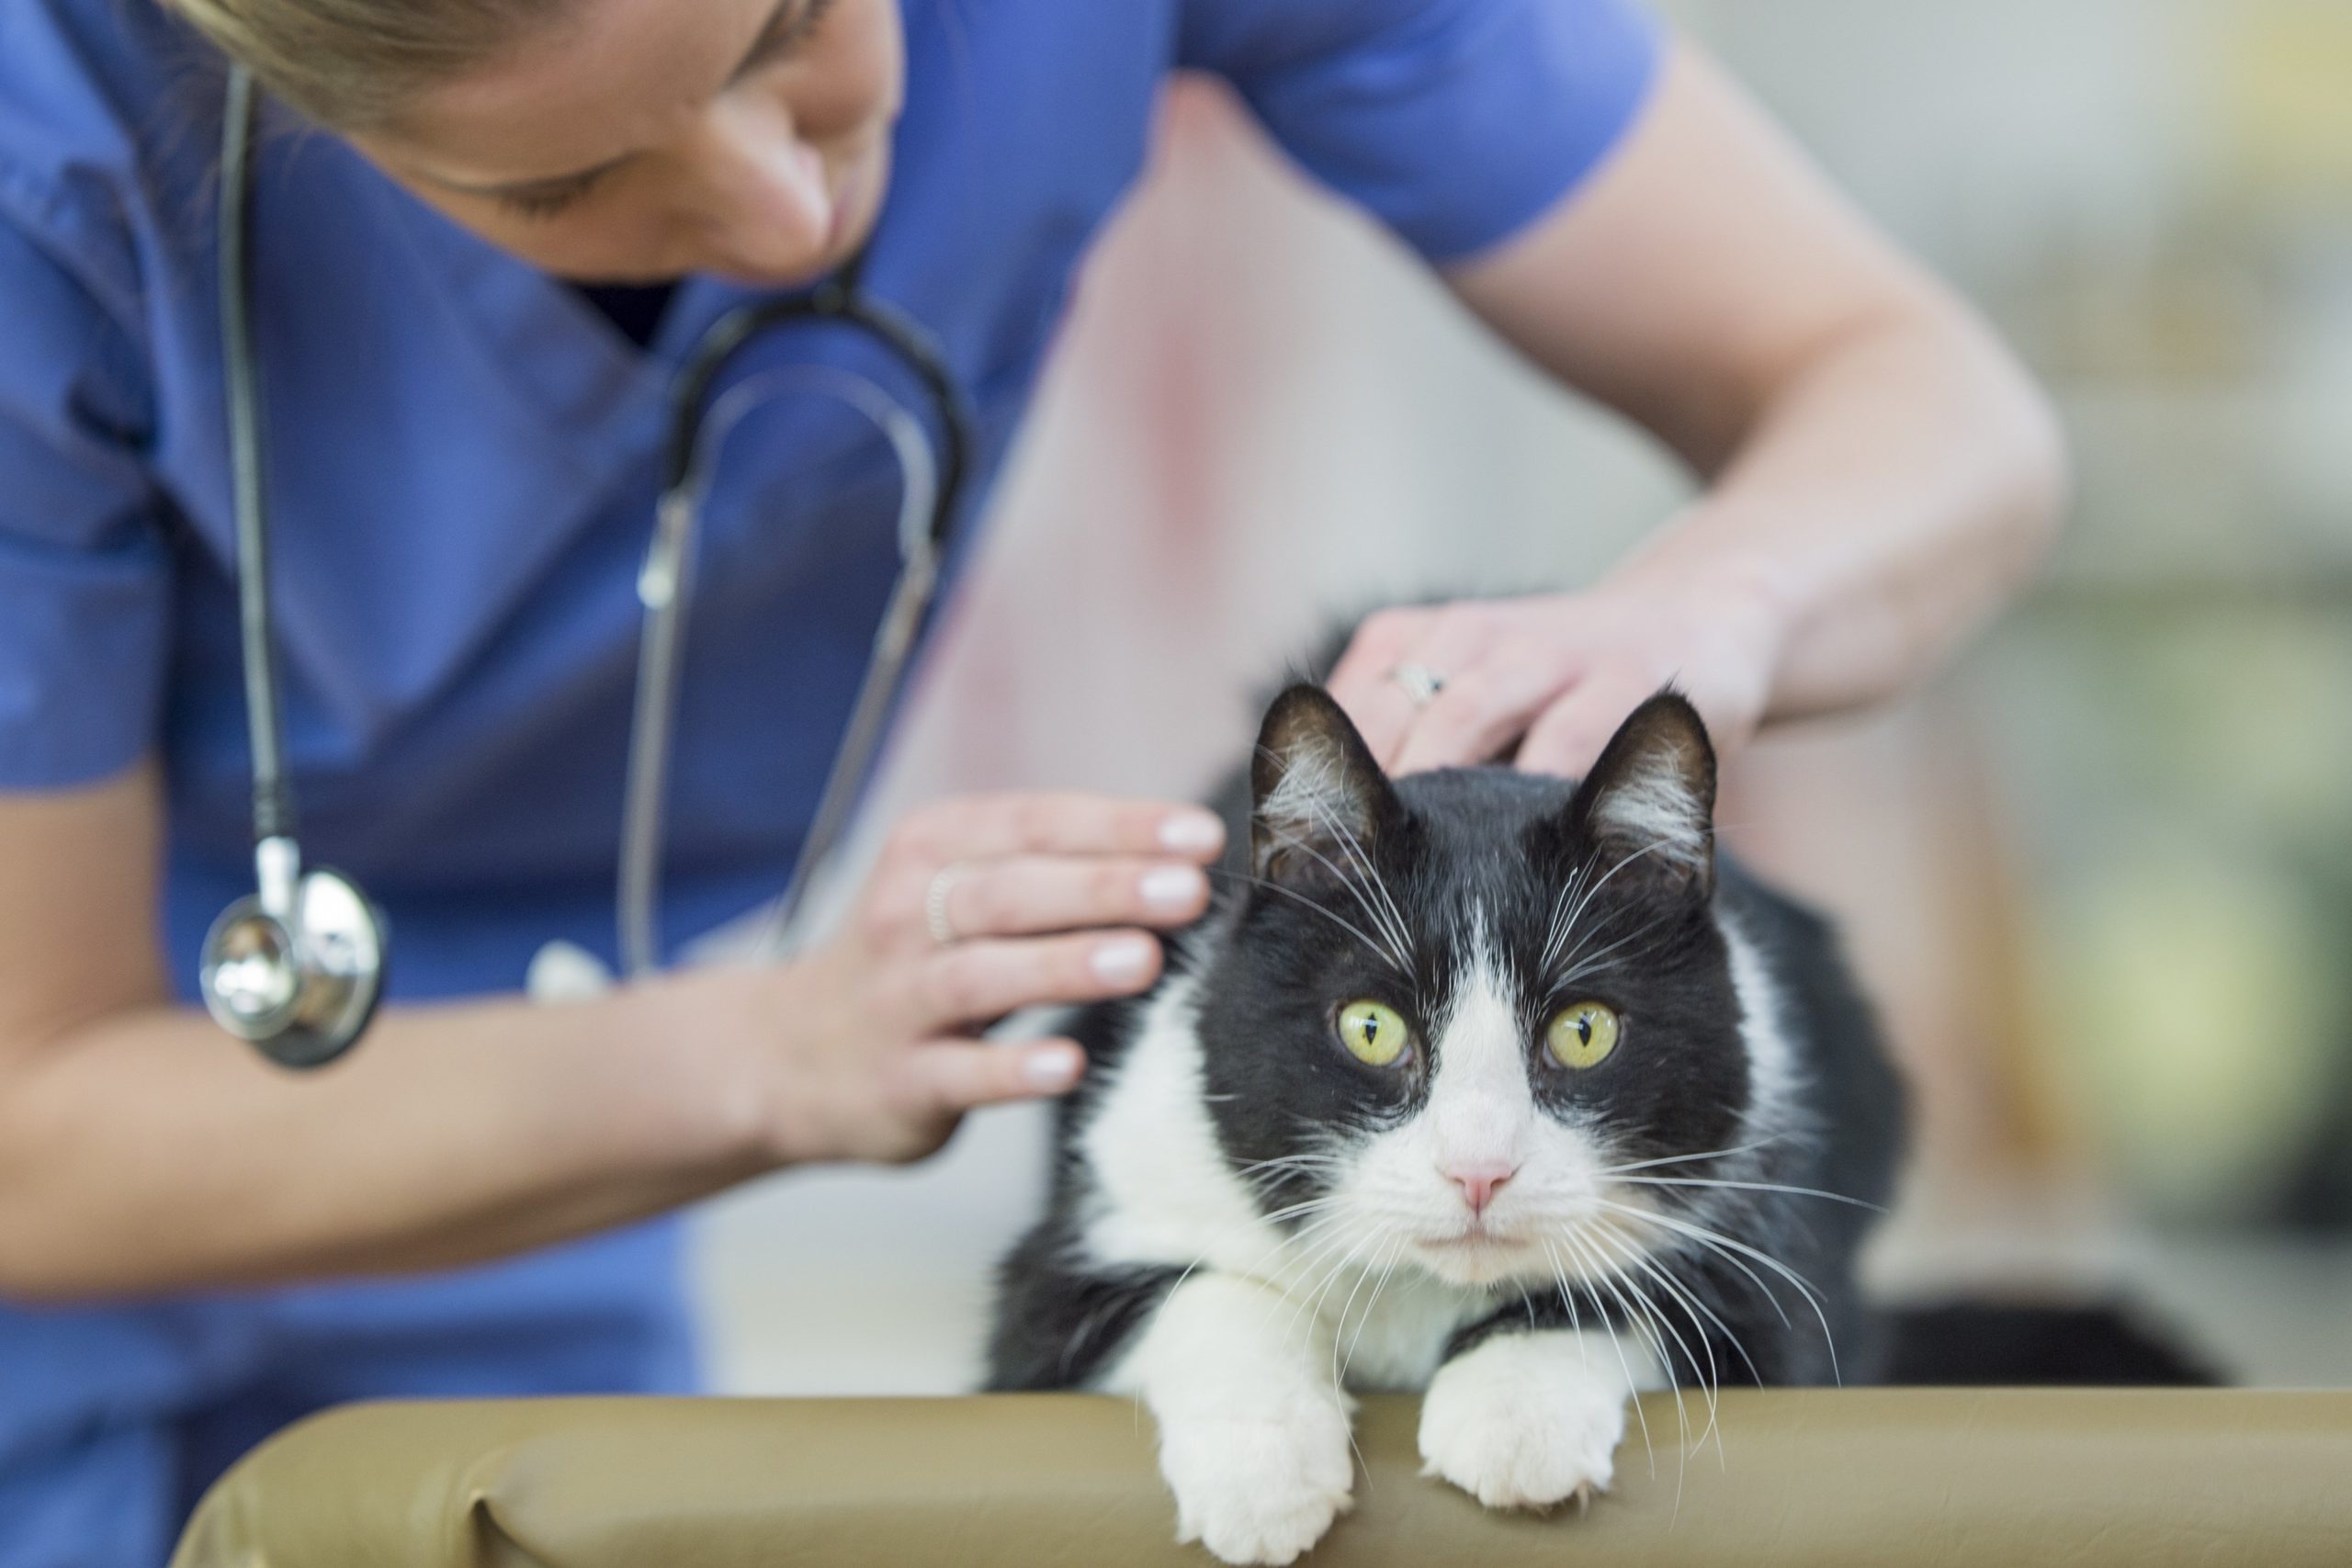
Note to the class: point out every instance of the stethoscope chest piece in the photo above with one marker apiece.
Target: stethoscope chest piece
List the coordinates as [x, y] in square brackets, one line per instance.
[299, 984]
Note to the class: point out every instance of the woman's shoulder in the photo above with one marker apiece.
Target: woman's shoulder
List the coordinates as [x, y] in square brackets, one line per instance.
[108, 112]
[1275, 33]
[110, 81]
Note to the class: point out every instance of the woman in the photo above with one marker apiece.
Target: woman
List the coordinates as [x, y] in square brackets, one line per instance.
[471, 287]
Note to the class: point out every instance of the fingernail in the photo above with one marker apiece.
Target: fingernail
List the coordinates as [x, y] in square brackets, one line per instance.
[1171, 887]
[1053, 1070]
[1124, 960]
[1192, 832]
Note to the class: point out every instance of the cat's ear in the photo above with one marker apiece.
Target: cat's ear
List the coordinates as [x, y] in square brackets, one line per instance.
[1318, 800]
[1648, 806]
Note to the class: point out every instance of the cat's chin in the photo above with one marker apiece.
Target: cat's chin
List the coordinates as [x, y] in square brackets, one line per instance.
[1477, 1257]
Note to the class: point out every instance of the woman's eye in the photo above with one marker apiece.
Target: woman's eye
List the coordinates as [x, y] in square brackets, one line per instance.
[1373, 1033]
[542, 203]
[545, 203]
[1582, 1035]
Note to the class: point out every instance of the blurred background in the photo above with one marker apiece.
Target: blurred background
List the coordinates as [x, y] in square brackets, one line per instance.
[2098, 879]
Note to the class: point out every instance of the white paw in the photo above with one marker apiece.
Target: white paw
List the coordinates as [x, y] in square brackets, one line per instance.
[1526, 1421]
[1258, 1489]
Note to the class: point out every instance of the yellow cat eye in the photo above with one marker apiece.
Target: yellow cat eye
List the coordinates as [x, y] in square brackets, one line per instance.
[1582, 1036]
[1373, 1033]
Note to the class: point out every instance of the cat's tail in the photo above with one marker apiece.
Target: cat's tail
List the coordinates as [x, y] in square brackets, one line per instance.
[1983, 1342]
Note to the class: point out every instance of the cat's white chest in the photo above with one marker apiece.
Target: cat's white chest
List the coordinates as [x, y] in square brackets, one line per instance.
[1390, 1335]
[1161, 1193]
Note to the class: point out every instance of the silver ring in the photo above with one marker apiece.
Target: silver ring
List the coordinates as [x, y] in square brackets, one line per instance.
[935, 903]
[1422, 683]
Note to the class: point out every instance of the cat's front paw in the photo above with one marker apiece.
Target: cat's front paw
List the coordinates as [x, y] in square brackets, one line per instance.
[1259, 1489]
[1526, 1420]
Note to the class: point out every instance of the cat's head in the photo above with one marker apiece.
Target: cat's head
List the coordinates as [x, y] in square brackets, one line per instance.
[1459, 1015]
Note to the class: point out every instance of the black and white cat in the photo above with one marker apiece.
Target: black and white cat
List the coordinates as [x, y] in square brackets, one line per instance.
[1479, 1083]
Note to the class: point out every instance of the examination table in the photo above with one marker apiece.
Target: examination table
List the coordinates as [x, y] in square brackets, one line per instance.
[1806, 1479]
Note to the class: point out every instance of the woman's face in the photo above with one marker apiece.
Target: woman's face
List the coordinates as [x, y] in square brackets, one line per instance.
[638, 140]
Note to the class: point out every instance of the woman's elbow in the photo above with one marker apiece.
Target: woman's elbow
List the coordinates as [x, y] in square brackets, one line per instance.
[2020, 470]
[2036, 486]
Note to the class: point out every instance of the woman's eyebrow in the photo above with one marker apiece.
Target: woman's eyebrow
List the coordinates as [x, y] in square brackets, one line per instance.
[773, 32]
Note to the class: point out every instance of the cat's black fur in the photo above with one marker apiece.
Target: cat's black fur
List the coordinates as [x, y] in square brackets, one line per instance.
[1269, 968]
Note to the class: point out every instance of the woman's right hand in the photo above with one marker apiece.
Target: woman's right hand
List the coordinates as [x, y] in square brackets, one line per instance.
[141, 1152]
[868, 1048]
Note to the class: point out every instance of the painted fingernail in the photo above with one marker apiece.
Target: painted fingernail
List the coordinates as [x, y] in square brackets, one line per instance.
[1192, 832]
[1171, 887]
[1053, 1070]
[1124, 960]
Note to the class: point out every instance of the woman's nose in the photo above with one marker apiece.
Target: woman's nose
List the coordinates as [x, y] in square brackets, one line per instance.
[767, 207]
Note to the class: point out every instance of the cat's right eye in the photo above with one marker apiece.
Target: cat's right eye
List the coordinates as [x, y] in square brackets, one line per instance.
[1583, 1035]
[1373, 1033]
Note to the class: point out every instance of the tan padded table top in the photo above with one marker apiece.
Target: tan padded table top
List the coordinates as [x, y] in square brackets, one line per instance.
[1810, 1479]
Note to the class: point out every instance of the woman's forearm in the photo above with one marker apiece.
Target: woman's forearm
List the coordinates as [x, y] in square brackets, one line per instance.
[141, 1150]
[148, 1152]
[1888, 499]
[1880, 472]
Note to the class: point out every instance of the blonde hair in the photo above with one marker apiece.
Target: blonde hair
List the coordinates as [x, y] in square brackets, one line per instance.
[356, 64]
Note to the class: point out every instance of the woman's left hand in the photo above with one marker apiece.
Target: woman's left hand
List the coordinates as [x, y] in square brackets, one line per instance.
[1556, 672]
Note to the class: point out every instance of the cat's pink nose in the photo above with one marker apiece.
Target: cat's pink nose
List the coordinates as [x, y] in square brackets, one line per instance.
[1479, 1182]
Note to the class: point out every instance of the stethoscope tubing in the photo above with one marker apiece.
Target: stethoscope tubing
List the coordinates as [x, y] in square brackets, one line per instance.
[273, 805]
[665, 589]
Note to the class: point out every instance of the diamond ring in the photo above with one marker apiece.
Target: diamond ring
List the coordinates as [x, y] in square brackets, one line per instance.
[1422, 683]
[935, 903]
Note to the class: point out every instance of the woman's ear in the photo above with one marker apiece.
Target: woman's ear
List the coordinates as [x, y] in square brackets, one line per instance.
[1648, 806]
[1319, 802]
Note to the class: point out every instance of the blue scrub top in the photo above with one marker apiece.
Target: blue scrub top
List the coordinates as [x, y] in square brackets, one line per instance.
[462, 474]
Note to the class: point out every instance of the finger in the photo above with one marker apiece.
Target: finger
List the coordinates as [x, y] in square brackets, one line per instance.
[949, 1076]
[1482, 710]
[984, 827]
[1458, 641]
[1568, 737]
[973, 982]
[1360, 681]
[1028, 894]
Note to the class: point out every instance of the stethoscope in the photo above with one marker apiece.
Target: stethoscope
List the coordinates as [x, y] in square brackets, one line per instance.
[298, 968]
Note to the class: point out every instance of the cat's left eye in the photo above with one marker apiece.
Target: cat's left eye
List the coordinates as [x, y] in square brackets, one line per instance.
[1582, 1035]
[1373, 1033]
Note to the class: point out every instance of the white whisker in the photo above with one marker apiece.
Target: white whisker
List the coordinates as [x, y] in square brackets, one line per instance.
[1334, 917]
[1370, 873]
[1396, 1256]
[1751, 1187]
[1640, 1321]
[1627, 1366]
[1716, 1238]
[1555, 933]
[1686, 1159]
[1712, 1382]
[1579, 966]
[1372, 913]
[1594, 891]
